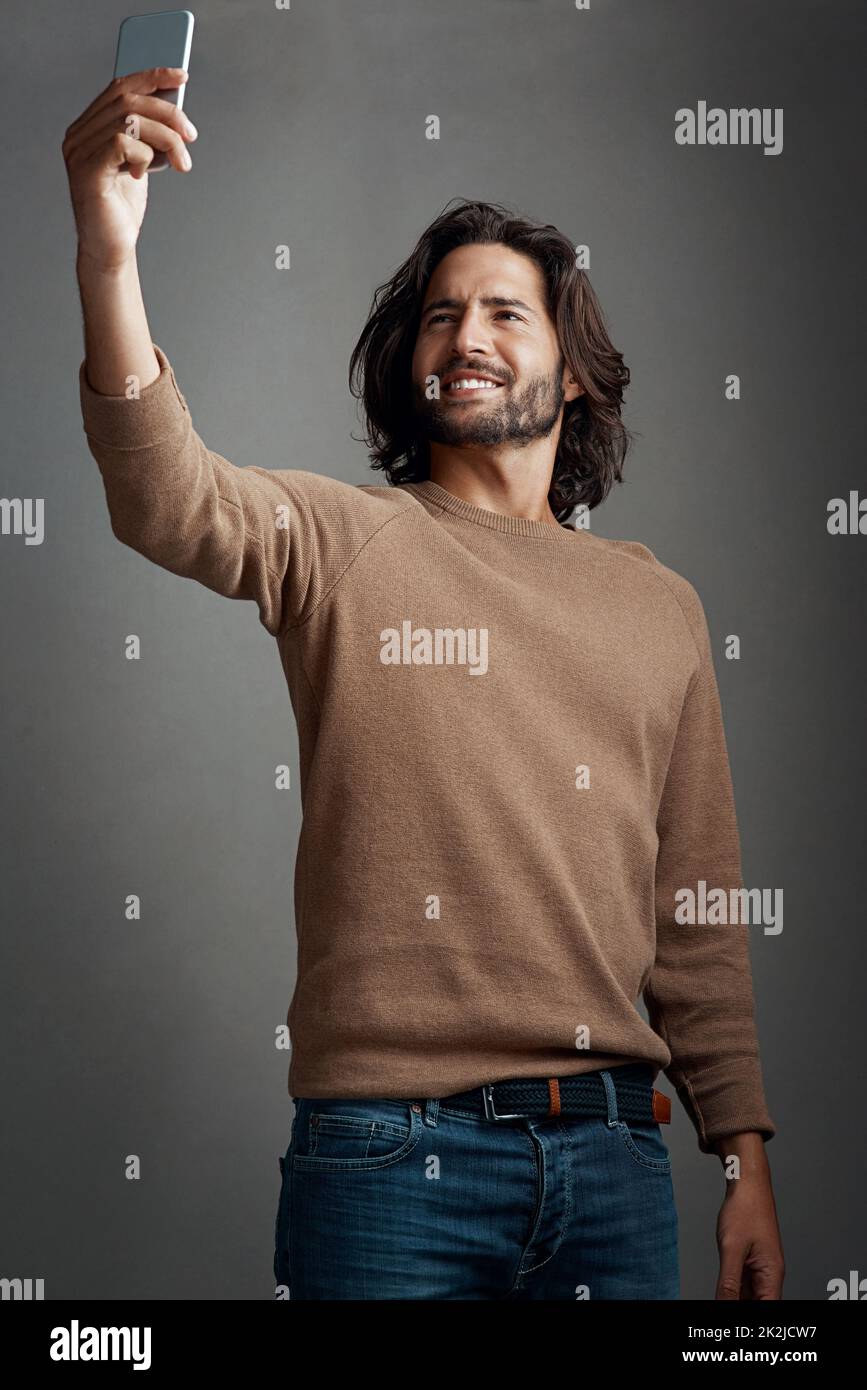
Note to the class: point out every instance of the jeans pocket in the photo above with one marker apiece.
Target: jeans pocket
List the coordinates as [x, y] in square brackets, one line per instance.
[354, 1135]
[644, 1143]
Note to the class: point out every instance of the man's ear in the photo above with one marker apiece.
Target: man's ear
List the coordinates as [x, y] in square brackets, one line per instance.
[571, 389]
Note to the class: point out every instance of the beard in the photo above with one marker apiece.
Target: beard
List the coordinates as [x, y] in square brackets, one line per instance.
[517, 417]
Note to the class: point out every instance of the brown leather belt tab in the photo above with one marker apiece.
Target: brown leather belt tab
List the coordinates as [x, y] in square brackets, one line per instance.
[554, 1105]
[661, 1107]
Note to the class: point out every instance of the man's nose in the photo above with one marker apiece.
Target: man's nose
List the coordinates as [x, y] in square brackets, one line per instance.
[471, 335]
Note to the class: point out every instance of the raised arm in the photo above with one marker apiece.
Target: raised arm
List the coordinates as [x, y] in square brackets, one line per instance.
[107, 150]
[244, 532]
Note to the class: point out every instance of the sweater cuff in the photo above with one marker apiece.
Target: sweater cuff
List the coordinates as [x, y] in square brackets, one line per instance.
[722, 1105]
[128, 423]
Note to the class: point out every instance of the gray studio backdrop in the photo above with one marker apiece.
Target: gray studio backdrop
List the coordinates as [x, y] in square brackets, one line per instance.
[156, 777]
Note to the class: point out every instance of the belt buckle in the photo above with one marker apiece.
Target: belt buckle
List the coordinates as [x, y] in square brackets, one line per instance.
[490, 1112]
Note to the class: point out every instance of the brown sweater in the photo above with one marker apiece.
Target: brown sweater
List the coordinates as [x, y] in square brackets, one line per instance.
[511, 758]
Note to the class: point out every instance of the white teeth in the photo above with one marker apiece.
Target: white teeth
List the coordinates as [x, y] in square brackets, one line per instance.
[472, 384]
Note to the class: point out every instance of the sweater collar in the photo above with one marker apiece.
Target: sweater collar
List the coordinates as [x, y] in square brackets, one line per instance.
[482, 516]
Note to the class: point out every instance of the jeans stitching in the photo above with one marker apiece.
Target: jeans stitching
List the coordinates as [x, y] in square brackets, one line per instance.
[660, 1165]
[310, 1163]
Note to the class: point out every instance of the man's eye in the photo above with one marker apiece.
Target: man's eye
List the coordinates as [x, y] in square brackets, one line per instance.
[508, 313]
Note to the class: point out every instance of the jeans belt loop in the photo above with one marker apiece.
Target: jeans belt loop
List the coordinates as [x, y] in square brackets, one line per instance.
[611, 1094]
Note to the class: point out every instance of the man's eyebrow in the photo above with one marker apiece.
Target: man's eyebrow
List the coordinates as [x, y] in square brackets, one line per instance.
[489, 301]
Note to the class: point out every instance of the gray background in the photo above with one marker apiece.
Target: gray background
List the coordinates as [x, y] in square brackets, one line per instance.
[157, 777]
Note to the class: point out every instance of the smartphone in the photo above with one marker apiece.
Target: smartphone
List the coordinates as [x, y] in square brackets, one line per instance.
[160, 40]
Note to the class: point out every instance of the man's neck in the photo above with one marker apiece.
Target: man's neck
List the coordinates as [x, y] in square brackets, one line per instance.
[516, 491]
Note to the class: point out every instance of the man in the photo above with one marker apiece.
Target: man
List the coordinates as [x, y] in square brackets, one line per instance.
[512, 762]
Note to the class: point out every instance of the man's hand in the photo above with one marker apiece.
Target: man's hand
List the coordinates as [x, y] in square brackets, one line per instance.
[748, 1235]
[107, 150]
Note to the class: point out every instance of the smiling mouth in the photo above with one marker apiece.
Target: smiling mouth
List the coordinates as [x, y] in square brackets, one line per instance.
[471, 387]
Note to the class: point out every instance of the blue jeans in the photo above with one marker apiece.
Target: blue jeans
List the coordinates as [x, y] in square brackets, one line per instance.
[399, 1199]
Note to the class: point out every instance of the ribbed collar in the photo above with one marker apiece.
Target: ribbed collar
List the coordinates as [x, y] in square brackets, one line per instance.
[481, 516]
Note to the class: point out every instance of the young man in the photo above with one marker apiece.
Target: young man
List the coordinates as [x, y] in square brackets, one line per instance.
[511, 760]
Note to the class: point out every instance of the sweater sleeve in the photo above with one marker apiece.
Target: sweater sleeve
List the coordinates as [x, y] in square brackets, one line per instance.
[275, 536]
[699, 994]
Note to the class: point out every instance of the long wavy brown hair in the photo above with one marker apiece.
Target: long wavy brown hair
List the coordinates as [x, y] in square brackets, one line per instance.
[593, 440]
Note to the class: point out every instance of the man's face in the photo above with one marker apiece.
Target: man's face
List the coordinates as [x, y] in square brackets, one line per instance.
[484, 316]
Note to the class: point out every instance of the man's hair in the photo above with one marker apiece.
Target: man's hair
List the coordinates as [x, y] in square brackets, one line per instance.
[593, 440]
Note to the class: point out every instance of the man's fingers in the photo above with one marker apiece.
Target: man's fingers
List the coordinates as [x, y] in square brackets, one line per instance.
[151, 114]
[137, 154]
[148, 80]
[107, 144]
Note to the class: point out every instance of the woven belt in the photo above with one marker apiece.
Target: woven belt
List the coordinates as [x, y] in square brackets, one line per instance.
[637, 1099]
